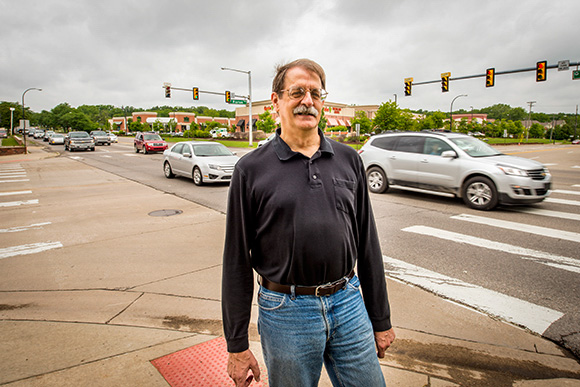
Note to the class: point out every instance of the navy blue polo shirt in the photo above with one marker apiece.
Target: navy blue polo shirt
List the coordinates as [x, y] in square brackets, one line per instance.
[299, 221]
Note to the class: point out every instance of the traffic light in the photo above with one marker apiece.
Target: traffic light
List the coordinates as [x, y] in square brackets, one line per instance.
[167, 91]
[408, 84]
[445, 82]
[541, 71]
[228, 97]
[195, 93]
[490, 77]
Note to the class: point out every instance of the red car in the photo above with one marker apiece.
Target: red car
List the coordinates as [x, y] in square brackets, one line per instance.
[149, 142]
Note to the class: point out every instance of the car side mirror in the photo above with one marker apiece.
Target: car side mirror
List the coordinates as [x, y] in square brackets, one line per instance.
[188, 155]
[449, 154]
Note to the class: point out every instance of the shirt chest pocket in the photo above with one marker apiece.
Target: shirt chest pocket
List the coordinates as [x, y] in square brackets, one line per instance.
[344, 194]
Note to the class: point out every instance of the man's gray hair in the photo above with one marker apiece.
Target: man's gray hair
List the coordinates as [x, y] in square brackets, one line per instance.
[281, 70]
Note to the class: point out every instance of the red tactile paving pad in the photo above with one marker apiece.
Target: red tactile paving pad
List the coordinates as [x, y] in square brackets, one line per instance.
[201, 365]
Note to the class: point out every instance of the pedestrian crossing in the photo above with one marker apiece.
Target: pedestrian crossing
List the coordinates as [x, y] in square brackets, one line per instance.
[15, 173]
[534, 317]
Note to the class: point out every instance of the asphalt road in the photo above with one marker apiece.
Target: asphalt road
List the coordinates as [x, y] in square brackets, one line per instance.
[521, 264]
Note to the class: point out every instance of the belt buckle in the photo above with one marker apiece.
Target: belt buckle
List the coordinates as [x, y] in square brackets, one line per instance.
[318, 288]
[328, 286]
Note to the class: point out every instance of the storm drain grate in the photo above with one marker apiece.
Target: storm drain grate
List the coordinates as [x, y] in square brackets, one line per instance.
[201, 365]
[165, 212]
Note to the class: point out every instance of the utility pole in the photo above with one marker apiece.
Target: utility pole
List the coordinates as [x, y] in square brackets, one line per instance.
[576, 123]
[531, 103]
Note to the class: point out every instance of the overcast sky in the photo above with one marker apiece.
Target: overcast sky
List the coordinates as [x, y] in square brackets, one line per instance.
[90, 52]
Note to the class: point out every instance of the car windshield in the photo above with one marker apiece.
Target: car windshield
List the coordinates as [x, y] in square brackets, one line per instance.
[57, 135]
[211, 150]
[79, 135]
[99, 133]
[474, 147]
[152, 137]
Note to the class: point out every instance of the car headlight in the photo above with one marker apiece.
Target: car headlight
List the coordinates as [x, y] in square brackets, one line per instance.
[214, 166]
[513, 171]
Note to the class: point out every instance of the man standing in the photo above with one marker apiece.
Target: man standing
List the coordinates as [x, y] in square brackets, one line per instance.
[299, 214]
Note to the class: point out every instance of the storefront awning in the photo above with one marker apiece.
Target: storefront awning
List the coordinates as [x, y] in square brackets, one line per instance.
[241, 123]
[332, 121]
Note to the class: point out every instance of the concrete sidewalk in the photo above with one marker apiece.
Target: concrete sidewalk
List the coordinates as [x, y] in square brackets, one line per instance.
[126, 288]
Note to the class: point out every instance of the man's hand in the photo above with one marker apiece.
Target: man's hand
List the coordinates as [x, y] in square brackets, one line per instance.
[238, 366]
[383, 340]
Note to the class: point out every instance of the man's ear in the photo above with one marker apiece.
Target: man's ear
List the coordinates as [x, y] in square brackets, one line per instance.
[274, 98]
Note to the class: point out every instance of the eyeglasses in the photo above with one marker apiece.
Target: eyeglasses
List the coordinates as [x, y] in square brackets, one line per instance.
[297, 92]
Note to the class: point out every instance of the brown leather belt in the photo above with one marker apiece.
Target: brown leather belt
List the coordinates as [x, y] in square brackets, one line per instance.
[319, 291]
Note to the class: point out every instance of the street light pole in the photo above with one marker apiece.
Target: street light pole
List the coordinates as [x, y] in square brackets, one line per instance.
[451, 111]
[12, 121]
[249, 97]
[24, 118]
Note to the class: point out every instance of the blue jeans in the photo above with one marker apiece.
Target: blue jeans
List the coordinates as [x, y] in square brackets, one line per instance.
[300, 333]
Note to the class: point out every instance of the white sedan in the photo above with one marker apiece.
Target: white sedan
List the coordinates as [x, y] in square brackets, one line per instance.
[202, 161]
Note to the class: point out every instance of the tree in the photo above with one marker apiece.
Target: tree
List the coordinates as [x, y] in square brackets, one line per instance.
[323, 121]
[360, 117]
[266, 123]
[537, 131]
[390, 117]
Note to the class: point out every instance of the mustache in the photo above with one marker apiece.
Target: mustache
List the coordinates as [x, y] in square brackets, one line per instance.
[303, 109]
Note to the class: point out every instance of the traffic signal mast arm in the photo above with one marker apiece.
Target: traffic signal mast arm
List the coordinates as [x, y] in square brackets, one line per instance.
[553, 66]
[201, 91]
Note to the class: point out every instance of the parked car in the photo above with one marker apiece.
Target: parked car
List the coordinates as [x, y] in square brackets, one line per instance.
[100, 137]
[38, 133]
[113, 137]
[453, 163]
[3, 133]
[149, 142]
[56, 139]
[47, 134]
[202, 161]
[263, 142]
[78, 140]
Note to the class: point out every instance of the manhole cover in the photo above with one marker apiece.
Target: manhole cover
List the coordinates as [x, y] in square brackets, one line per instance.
[165, 212]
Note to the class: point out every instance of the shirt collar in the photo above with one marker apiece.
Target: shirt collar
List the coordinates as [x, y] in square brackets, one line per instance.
[284, 152]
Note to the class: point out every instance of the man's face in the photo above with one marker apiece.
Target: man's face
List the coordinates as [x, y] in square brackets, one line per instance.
[291, 118]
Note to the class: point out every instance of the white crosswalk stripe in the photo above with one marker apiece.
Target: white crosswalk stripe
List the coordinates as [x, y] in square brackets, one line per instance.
[18, 203]
[31, 248]
[522, 227]
[557, 261]
[534, 317]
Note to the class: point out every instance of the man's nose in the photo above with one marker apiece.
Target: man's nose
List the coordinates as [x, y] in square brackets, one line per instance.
[307, 99]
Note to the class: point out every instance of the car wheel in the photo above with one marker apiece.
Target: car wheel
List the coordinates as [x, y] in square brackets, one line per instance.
[136, 149]
[167, 170]
[197, 176]
[92, 149]
[377, 180]
[145, 150]
[480, 193]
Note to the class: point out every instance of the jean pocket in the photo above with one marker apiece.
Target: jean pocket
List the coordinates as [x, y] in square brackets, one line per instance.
[268, 300]
[354, 283]
[344, 195]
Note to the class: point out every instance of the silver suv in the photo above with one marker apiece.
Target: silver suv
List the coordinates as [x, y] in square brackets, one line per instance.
[453, 163]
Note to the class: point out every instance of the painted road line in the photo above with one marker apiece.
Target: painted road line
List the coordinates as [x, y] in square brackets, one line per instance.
[15, 193]
[562, 191]
[544, 231]
[553, 214]
[13, 181]
[18, 203]
[562, 201]
[24, 228]
[534, 317]
[32, 248]
[557, 261]
[7, 174]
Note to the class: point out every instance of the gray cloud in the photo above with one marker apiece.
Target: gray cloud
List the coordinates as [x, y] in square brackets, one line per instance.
[120, 52]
